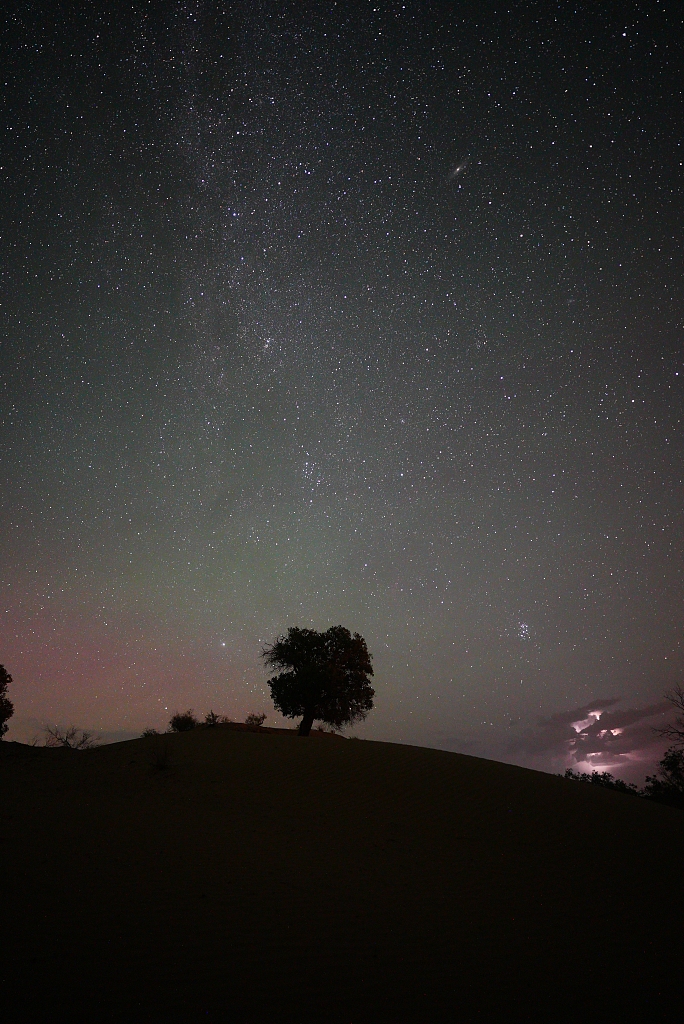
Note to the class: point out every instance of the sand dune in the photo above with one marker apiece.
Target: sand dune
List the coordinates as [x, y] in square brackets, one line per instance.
[224, 875]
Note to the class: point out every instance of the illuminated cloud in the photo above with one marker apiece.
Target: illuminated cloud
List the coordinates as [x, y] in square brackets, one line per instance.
[595, 737]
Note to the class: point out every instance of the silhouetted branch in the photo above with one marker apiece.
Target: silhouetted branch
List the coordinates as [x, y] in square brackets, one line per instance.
[73, 738]
[675, 731]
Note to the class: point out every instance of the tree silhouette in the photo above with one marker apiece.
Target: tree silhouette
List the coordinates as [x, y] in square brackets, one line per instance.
[71, 738]
[667, 785]
[325, 678]
[6, 705]
[676, 730]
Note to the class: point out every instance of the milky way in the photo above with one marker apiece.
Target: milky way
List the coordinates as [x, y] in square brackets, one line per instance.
[345, 313]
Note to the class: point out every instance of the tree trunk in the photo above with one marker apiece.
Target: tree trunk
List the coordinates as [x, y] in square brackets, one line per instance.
[306, 723]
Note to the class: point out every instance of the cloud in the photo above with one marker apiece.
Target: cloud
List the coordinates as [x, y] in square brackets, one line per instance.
[597, 736]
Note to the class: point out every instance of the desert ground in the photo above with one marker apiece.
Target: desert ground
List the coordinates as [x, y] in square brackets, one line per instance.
[248, 876]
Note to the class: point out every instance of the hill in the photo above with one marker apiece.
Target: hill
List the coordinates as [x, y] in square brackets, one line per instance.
[246, 876]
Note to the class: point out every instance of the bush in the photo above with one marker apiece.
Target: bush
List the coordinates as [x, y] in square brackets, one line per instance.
[183, 721]
[150, 732]
[212, 719]
[257, 720]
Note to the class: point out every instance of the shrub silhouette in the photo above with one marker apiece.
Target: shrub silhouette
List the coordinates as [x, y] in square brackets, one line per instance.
[257, 720]
[183, 721]
[604, 779]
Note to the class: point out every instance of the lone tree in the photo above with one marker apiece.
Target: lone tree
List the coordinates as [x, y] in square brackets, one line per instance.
[6, 705]
[325, 678]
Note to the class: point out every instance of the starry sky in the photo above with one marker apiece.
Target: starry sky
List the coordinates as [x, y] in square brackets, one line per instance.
[365, 313]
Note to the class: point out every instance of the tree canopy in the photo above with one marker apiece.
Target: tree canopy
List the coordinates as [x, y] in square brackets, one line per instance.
[6, 705]
[325, 676]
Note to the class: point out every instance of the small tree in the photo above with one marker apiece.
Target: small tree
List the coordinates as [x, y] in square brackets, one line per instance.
[183, 721]
[325, 678]
[6, 705]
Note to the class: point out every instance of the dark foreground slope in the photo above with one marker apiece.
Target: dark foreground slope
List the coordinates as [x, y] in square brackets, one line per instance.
[263, 877]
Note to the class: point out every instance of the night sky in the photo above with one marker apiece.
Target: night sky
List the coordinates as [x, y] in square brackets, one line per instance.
[357, 313]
